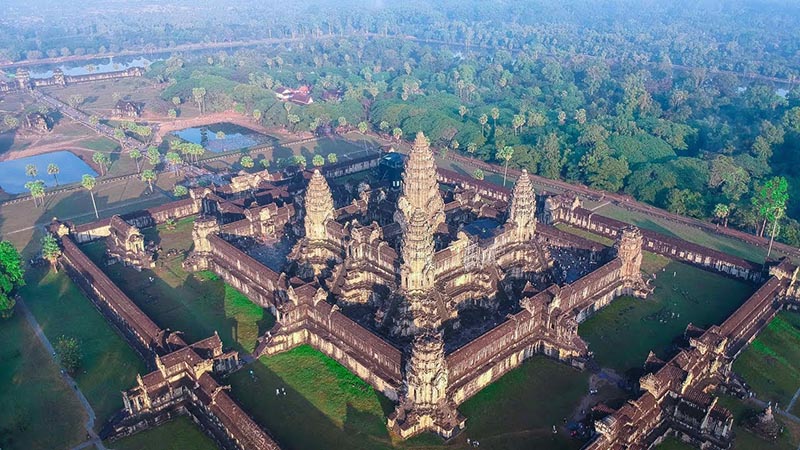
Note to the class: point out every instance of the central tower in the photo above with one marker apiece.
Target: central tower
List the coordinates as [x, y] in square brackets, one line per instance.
[424, 404]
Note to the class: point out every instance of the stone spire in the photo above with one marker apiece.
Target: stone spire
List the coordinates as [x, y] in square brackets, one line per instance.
[522, 212]
[420, 189]
[319, 207]
[417, 251]
[424, 404]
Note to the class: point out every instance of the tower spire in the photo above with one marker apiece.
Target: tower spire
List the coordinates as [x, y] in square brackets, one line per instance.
[522, 212]
[420, 189]
[319, 207]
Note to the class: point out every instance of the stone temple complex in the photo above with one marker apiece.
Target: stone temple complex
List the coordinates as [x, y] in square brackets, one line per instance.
[429, 291]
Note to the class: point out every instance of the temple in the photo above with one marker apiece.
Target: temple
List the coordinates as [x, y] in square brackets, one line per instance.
[429, 289]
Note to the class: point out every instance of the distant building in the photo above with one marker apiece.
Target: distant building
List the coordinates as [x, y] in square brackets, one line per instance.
[38, 122]
[299, 96]
[125, 108]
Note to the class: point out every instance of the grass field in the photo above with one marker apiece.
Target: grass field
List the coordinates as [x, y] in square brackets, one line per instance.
[673, 444]
[516, 412]
[745, 440]
[771, 364]
[624, 332]
[177, 434]
[196, 304]
[39, 410]
[109, 365]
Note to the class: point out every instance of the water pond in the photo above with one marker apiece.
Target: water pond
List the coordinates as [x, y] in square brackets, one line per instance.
[93, 67]
[71, 169]
[223, 137]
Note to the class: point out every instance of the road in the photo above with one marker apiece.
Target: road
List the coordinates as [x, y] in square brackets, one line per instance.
[94, 439]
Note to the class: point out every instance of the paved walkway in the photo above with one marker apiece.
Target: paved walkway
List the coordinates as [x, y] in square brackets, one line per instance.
[95, 440]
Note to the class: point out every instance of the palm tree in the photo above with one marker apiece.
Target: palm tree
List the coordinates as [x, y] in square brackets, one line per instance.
[318, 160]
[721, 212]
[471, 148]
[482, 120]
[50, 250]
[199, 95]
[247, 162]
[149, 176]
[54, 170]
[173, 159]
[332, 158]
[89, 182]
[36, 189]
[153, 155]
[136, 155]
[30, 170]
[101, 159]
[505, 154]
[495, 113]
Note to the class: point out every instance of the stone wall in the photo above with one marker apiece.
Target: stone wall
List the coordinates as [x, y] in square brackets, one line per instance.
[532, 331]
[140, 219]
[141, 332]
[661, 244]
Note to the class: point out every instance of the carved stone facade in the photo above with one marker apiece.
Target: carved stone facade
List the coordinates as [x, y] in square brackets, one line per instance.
[406, 283]
[126, 244]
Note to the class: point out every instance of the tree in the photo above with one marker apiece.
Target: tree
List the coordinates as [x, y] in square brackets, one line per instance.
[180, 190]
[50, 250]
[176, 101]
[75, 100]
[721, 212]
[11, 277]
[397, 133]
[482, 120]
[102, 160]
[495, 113]
[199, 95]
[149, 175]
[505, 154]
[362, 127]
[11, 121]
[54, 170]
[174, 160]
[552, 161]
[462, 111]
[257, 115]
[89, 183]
[471, 147]
[172, 113]
[94, 120]
[247, 162]
[153, 155]
[37, 191]
[318, 161]
[685, 202]
[478, 174]
[69, 353]
[771, 200]
[31, 170]
[293, 119]
[136, 154]
[332, 158]
[517, 121]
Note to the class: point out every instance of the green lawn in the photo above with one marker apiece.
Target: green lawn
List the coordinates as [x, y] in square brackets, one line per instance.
[771, 364]
[516, 412]
[109, 365]
[673, 444]
[585, 234]
[177, 434]
[196, 304]
[705, 238]
[39, 410]
[624, 332]
[746, 440]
